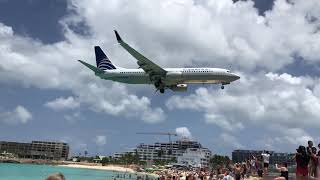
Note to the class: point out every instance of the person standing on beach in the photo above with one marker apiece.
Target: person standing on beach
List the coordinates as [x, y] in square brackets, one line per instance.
[253, 165]
[318, 167]
[259, 165]
[302, 160]
[309, 152]
[313, 162]
[266, 156]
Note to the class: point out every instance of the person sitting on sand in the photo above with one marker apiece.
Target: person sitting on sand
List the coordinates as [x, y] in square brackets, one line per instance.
[283, 169]
[57, 176]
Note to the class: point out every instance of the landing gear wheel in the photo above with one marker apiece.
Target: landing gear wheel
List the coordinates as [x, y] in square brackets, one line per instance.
[161, 90]
[222, 87]
[157, 84]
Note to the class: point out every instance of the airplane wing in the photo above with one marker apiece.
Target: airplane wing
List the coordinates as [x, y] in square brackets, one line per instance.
[146, 64]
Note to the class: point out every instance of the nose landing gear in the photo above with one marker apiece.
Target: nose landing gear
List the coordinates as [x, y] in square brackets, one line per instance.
[224, 83]
[162, 91]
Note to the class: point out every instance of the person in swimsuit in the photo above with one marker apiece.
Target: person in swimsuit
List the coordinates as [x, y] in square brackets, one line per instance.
[313, 162]
[259, 166]
[302, 161]
[309, 152]
[318, 167]
[284, 173]
[237, 172]
[253, 165]
[243, 170]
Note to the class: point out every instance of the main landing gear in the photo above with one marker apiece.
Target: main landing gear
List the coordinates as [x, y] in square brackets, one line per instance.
[222, 86]
[160, 86]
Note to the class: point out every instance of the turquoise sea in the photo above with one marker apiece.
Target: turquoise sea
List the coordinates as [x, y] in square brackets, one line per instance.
[9, 171]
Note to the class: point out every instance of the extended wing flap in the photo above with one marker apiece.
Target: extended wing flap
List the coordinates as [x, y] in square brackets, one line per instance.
[146, 64]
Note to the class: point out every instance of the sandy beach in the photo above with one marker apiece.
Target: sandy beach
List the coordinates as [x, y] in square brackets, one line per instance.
[109, 167]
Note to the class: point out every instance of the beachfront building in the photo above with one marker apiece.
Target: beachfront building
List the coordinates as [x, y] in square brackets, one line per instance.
[194, 157]
[36, 149]
[275, 157]
[174, 151]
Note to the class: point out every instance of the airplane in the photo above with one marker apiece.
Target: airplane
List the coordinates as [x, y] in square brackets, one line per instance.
[175, 79]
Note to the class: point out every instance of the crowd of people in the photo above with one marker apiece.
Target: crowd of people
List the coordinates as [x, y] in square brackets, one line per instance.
[254, 166]
[307, 160]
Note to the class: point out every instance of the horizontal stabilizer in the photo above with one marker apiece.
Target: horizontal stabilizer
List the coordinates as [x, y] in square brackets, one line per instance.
[93, 68]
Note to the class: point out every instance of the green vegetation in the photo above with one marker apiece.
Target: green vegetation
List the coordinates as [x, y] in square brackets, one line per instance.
[128, 158]
[219, 161]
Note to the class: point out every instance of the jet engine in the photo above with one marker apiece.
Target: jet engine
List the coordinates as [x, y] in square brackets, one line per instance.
[174, 75]
[179, 87]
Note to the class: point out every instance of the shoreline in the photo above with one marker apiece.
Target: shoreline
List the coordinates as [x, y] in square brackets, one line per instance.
[82, 165]
[113, 168]
[100, 167]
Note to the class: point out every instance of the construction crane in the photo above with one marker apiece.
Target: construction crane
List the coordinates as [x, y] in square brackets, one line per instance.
[161, 134]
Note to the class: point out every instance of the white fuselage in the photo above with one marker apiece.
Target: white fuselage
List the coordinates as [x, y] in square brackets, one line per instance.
[174, 76]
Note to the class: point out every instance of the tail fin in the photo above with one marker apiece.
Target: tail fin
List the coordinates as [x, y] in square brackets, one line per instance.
[102, 60]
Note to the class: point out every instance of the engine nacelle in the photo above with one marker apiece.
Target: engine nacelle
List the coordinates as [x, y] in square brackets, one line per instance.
[174, 75]
[178, 73]
[179, 87]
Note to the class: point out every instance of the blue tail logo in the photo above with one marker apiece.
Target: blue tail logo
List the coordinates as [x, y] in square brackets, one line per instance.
[102, 60]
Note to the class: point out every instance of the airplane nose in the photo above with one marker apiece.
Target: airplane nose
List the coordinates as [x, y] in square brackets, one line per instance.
[236, 77]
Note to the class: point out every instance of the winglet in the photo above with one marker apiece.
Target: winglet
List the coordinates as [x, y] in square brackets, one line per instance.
[118, 36]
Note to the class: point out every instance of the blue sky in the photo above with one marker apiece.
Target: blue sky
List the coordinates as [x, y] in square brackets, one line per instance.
[46, 95]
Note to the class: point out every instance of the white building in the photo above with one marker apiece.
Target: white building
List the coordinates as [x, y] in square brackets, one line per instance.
[169, 151]
[195, 158]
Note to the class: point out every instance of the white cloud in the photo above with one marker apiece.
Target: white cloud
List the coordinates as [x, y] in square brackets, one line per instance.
[229, 141]
[73, 117]
[177, 33]
[58, 69]
[258, 100]
[277, 109]
[220, 30]
[184, 132]
[100, 140]
[283, 139]
[222, 122]
[63, 103]
[284, 77]
[20, 115]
